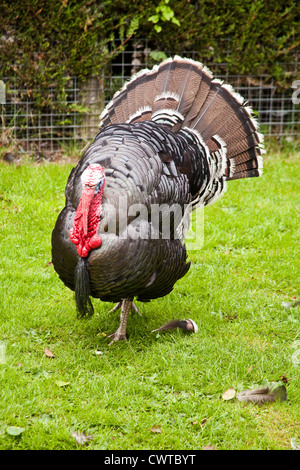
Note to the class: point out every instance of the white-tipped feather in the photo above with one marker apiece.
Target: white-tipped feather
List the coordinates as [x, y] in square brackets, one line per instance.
[176, 116]
[261, 137]
[260, 164]
[223, 152]
[220, 140]
[166, 95]
[207, 71]
[231, 167]
[139, 113]
[236, 95]
[217, 80]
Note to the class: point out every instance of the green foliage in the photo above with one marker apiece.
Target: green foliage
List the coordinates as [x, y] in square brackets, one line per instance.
[163, 12]
[43, 43]
[251, 37]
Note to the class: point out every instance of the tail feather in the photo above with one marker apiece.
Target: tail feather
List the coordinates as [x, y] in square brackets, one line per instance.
[182, 94]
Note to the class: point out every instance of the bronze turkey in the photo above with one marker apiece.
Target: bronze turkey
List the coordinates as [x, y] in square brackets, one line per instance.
[171, 138]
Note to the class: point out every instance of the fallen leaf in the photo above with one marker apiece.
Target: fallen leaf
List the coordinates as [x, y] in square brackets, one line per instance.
[82, 438]
[229, 394]
[210, 447]
[156, 428]
[194, 422]
[48, 353]
[267, 393]
[60, 383]
[203, 422]
[284, 379]
[14, 430]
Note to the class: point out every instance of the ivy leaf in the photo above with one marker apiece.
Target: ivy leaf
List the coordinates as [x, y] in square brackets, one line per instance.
[167, 12]
[158, 55]
[175, 21]
[154, 18]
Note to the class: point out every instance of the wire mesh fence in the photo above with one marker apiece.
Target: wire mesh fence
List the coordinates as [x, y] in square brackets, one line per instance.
[74, 118]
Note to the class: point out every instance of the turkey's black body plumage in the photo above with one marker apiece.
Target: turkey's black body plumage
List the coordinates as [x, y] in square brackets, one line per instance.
[172, 136]
[144, 164]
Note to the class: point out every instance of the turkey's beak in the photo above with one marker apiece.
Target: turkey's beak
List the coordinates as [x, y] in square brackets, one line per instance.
[86, 200]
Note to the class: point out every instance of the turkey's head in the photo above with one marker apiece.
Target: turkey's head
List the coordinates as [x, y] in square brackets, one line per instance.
[84, 232]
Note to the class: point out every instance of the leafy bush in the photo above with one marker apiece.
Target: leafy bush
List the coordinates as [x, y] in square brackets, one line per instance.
[44, 42]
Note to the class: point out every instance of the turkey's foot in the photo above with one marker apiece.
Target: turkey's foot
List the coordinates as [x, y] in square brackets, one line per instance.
[120, 334]
[117, 336]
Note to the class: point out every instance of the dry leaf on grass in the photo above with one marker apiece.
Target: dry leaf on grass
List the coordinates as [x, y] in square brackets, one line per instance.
[210, 447]
[48, 353]
[229, 394]
[156, 428]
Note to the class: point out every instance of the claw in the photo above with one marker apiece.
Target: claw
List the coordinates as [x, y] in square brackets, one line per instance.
[117, 336]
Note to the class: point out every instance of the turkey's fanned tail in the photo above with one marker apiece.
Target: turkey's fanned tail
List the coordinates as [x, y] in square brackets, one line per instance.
[182, 94]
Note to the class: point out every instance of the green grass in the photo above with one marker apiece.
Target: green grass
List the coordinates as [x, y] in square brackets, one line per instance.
[248, 266]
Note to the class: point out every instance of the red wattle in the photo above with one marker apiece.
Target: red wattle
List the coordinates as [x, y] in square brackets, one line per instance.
[84, 233]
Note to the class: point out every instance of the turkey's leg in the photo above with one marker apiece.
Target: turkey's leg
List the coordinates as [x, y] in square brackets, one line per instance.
[121, 331]
[119, 305]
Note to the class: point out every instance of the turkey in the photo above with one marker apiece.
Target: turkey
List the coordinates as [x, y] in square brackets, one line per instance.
[172, 137]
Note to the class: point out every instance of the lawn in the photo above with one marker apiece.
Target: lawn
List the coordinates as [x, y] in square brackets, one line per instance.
[158, 390]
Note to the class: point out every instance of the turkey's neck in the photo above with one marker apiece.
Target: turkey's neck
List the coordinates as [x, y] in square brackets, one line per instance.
[84, 233]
